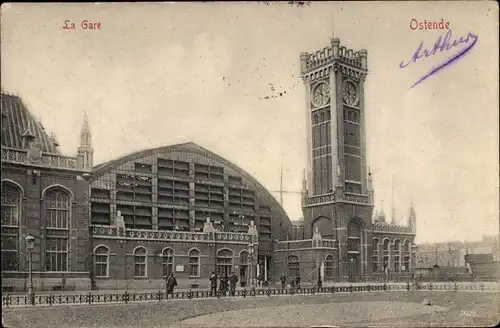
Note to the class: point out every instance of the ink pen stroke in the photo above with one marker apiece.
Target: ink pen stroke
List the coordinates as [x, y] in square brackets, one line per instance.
[442, 44]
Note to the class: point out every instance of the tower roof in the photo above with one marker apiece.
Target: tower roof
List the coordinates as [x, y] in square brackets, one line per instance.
[17, 121]
[86, 126]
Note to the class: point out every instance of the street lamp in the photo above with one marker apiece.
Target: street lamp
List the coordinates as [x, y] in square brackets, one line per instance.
[351, 259]
[30, 244]
[251, 250]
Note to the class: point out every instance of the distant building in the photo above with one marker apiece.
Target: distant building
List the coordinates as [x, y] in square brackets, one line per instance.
[453, 253]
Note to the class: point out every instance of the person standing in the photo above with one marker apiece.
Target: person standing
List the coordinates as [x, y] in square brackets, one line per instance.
[171, 283]
[213, 284]
[224, 284]
[233, 279]
[297, 282]
[283, 281]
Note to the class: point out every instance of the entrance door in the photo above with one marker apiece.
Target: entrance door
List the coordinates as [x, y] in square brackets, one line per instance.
[243, 275]
[353, 267]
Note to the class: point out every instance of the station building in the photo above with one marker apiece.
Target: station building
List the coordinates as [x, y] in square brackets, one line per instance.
[181, 208]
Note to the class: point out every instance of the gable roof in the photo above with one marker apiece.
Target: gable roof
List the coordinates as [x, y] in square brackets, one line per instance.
[17, 120]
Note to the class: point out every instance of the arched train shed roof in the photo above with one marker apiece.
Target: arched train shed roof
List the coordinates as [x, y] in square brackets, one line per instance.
[193, 148]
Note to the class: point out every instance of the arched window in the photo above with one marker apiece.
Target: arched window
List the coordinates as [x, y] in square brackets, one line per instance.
[140, 262]
[386, 252]
[315, 118]
[101, 261]
[57, 204]
[224, 261]
[293, 266]
[397, 255]
[324, 226]
[194, 263]
[406, 258]
[329, 266]
[355, 116]
[354, 236]
[11, 201]
[168, 261]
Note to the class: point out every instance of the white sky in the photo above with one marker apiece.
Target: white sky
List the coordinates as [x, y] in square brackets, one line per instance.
[160, 74]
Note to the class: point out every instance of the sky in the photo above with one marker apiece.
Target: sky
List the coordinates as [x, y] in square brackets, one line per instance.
[161, 74]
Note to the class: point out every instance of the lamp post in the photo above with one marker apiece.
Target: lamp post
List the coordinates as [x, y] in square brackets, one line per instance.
[30, 244]
[251, 250]
[351, 260]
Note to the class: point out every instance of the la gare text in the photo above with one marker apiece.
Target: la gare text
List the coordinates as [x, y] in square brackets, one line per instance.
[429, 25]
[84, 25]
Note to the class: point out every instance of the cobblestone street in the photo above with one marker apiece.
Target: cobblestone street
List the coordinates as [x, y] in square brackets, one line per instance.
[389, 308]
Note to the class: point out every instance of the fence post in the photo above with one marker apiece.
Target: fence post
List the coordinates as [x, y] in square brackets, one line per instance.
[368, 287]
[482, 287]
[385, 286]
[125, 297]
[159, 296]
[408, 286]
[244, 292]
[350, 288]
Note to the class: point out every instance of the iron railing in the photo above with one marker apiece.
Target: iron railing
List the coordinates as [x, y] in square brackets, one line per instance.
[126, 297]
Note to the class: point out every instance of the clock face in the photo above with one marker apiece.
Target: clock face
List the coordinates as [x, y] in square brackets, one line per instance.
[350, 94]
[321, 94]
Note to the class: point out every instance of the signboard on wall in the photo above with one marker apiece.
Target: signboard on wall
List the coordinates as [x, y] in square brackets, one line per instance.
[179, 268]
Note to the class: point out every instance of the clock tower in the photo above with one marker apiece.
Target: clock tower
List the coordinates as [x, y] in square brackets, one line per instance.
[338, 197]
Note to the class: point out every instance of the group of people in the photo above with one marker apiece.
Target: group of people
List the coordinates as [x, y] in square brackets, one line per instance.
[226, 284]
[294, 281]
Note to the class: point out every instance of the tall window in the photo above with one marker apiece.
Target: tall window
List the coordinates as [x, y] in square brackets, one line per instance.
[101, 261]
[293, 266]
[11, 199]
[57, 220]
[375, 255]
[406, 249]
[397, 255]
[140, 262]
[386, 253]
[329, 267]
[168, 261]
[224, 261]
[194, 263]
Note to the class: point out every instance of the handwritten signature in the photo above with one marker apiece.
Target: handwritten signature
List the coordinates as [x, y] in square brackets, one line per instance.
[442, 44]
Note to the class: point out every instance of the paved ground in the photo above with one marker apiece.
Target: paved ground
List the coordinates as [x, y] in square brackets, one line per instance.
[356, 309]
[318, 314]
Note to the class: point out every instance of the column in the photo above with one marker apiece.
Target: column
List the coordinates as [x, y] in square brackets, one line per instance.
[309, 176]
[154, 187]
[362, 127]
[333, 124]
[265, 268]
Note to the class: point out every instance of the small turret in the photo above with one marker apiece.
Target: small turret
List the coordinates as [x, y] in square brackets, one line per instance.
[369, 187]
[381, 215]
[412, 219]
[85, 157]
[28, 137]
[304, 184]
[54, 139]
